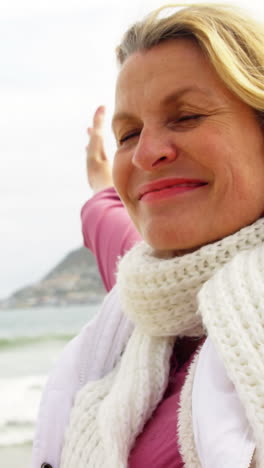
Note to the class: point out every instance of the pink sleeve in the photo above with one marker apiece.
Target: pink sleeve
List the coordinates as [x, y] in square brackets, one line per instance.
[107, 231]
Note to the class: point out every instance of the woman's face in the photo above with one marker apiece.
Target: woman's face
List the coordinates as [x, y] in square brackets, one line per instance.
[189, 165]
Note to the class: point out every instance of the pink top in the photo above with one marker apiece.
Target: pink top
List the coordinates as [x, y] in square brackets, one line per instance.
[158, 445]
[107, 231]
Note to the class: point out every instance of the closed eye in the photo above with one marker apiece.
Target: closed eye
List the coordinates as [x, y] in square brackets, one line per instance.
[185, 122]
[184, 118]
[189, 117]
[128, 136]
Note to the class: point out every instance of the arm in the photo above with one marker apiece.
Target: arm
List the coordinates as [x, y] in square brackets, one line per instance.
[107, 229]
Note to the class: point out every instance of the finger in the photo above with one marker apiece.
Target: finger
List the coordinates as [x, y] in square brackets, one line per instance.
[95, 148]
[98, 120]
[95, 142]
[93, 133]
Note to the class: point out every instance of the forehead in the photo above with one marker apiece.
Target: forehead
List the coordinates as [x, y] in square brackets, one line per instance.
[149, 75]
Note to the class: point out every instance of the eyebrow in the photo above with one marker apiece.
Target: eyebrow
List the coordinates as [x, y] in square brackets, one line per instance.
[121, 116]
[175, 96]
[170, 99]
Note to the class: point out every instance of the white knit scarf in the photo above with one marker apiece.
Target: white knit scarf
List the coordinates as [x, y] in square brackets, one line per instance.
[161, 297]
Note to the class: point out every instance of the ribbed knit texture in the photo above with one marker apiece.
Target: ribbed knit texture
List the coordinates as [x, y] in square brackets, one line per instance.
[232, 307]
[161, 297]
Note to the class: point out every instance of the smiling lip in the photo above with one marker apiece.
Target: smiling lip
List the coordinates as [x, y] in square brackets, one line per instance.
[165, 188]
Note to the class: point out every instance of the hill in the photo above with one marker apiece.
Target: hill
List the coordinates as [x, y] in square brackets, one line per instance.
[74, 280]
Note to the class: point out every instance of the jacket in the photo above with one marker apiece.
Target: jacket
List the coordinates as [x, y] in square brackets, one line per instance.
[215, 418]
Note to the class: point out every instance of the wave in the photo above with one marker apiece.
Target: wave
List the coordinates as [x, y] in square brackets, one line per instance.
[18, 408]
[15, 433]
[17, 438]
[27, 340]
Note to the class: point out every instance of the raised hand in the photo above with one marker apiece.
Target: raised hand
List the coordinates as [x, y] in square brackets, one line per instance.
[99, 172]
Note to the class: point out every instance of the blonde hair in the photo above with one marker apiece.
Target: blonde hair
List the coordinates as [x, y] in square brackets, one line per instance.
[232, 41]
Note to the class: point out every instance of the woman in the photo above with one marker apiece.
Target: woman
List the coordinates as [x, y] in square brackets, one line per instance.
[177, 377]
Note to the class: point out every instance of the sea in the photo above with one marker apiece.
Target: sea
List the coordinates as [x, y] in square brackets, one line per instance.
[31, 341]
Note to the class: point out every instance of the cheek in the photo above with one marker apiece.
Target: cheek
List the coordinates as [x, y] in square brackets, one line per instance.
[120, 175]
[214, 152]
[116, 172]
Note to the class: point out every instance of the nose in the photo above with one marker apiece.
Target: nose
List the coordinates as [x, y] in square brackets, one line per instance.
[153, 150]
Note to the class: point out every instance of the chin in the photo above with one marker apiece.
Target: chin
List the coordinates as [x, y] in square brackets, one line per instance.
[164, 235]
[170, 243]
[175, 239]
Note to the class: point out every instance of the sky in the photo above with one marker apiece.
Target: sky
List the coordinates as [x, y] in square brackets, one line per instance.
[57, 64]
